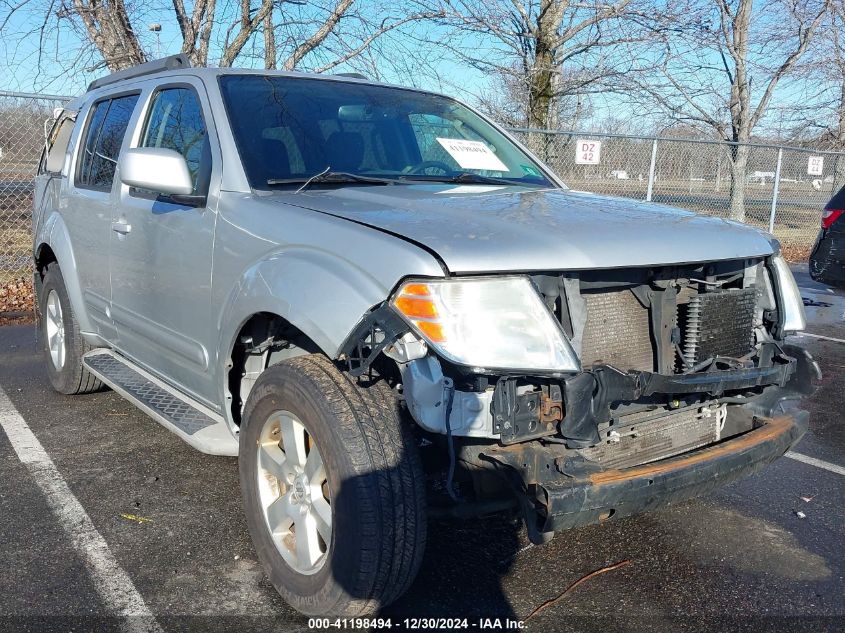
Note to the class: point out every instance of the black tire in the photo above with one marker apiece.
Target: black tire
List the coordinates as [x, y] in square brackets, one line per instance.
[71, 378]
[375, 476]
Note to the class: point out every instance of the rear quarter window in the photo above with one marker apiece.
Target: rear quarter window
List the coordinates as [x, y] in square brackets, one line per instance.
[57, 145]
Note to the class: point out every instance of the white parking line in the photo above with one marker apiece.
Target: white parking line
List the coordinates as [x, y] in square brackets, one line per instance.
[110, 580]
[817, 291]
[818, 463]
[819, 336]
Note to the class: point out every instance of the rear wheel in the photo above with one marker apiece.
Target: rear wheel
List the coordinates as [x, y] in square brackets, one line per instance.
[63, 343]
[333, 488]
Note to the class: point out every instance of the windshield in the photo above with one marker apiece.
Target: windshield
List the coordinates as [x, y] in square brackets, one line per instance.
[289, 128]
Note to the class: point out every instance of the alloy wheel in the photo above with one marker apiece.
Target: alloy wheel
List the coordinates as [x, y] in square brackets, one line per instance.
[294, 493]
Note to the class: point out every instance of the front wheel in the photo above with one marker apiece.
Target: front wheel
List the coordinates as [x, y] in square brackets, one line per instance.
[333, 488]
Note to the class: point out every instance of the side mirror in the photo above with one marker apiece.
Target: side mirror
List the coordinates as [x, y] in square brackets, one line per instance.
[156, 169]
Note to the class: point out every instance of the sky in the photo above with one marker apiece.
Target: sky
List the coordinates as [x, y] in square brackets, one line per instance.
[24, 57]
[51, 65]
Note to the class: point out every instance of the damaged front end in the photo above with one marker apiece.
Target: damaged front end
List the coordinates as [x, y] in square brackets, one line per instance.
[682, 382]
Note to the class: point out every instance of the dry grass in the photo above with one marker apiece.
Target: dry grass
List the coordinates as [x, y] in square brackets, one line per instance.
[795, 252]
[17, 296]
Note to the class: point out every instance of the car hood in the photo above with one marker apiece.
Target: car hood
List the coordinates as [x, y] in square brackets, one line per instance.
[476, 228]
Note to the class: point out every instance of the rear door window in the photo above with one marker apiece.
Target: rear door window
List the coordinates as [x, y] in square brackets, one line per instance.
[107, 126]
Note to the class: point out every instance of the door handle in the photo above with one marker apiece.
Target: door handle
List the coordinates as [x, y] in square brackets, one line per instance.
[121, 227]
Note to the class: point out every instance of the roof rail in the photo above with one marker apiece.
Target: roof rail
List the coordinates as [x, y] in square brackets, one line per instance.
[352, 76]
[174, 62]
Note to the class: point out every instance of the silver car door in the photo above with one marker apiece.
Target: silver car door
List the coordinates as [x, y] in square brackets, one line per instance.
[162, 247]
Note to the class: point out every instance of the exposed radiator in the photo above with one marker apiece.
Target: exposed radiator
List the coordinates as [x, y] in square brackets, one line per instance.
[617, 331]
[719, 323]
[647, 436]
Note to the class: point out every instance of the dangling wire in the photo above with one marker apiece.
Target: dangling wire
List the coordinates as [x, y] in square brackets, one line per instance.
[450, 475]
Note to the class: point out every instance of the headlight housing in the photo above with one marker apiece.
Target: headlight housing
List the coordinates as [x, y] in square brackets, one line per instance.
[486, 323]
[791, 305]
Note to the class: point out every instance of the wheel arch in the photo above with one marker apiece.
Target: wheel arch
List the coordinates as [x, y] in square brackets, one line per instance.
[262, 340]
[52, 246]
[318, 296]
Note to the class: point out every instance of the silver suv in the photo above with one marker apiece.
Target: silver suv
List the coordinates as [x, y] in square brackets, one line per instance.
[385, 306]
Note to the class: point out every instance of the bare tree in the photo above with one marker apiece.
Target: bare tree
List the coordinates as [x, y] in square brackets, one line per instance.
[110, 30]
[508, 100]
[313, 34]
[826, 90]
[721, 65]
[837, 40]
[539, 51]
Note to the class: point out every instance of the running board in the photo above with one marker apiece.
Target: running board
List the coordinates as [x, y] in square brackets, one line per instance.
[195, 423]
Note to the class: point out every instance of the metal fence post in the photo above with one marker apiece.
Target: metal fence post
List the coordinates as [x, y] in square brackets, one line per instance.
[651, 170]
[775, 192]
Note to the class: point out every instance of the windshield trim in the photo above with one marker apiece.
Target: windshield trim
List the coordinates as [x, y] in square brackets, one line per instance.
[554, 182]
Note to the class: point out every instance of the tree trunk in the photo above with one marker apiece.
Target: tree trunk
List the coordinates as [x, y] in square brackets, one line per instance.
[739, 164]
[841, 138]
[541, 89]
[540, 92]
[541, 83]
[270, 54]
[109, 29]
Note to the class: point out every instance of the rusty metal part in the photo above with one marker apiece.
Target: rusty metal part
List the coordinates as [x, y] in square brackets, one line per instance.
[557, 491]
[551, 408]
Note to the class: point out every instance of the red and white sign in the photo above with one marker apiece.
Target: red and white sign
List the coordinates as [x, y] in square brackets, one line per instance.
[815, 166]
[587, 152]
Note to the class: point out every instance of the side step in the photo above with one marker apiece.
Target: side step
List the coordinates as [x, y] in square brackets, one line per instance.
[198, 425]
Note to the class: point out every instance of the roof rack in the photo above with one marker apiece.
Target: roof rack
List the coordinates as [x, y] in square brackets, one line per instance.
[352, 76]
[174, 62]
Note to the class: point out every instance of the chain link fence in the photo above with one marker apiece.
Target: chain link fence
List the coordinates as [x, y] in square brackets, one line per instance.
[763, 185]
[780, 189]
[23, 121]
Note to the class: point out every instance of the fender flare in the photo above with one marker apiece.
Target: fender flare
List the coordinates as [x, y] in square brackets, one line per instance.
[321, 294]
[53, 233]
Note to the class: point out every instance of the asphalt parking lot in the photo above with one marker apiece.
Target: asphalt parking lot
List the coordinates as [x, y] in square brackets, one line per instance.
[112, 490]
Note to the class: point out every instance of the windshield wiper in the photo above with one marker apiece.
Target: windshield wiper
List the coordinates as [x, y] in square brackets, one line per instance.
[328, 176]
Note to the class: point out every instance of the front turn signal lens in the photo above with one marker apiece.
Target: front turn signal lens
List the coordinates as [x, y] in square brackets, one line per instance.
[492, 323]
[416, 307]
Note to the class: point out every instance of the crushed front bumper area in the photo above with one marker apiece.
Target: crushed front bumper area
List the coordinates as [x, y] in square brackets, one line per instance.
[565, 495]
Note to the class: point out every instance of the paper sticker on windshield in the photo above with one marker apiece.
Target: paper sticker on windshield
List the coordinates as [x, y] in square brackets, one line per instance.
[472, 154]
[472, 189]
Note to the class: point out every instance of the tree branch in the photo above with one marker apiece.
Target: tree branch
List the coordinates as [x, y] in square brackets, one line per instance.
[319, 36]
